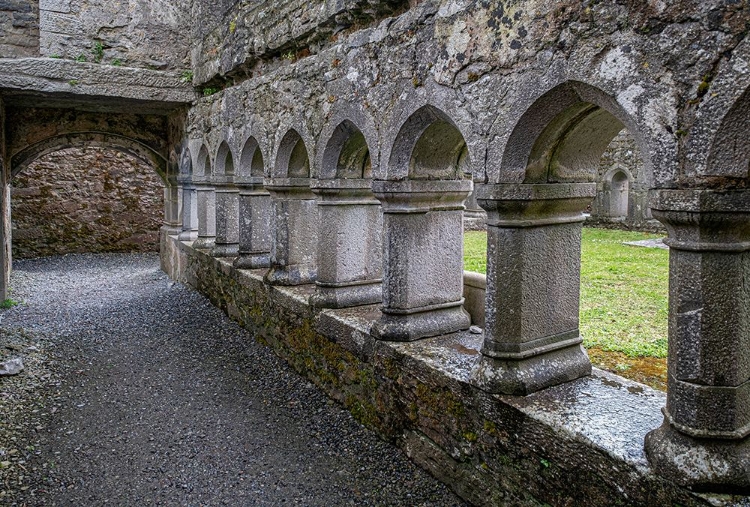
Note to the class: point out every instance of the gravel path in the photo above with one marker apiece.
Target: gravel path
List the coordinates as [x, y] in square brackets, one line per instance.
[138, 392]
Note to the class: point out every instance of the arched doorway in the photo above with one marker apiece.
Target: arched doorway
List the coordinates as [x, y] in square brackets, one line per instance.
[85, 196]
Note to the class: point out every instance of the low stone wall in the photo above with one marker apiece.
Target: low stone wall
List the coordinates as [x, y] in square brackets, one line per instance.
[575, 444]
[475, 288]
[86, 200]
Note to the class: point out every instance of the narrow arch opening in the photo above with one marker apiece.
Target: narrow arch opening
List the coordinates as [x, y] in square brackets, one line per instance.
[570, 148]
[204, 162]
[299, 163]
[292, 160]
[429, 146]
[439, 154]
[251, 159]
[186, 163]
[346, 155]
[224, 160]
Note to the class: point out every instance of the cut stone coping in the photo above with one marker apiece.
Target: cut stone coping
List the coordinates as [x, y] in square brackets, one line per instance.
[68, 81]
[593, 427]
[648, 243]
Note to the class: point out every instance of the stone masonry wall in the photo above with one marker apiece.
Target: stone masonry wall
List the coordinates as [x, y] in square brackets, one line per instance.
[86, 200]
[132, 33]
[234, 36]
[19, 28]
[623, 153]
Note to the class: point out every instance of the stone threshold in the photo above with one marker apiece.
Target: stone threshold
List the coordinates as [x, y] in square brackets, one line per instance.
[579, 443]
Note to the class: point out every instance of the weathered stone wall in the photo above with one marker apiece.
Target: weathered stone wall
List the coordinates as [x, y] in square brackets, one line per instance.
[86, 200]
[134, 33]
[19, 28]
[236, 36]
[500, 74]
[623, 156]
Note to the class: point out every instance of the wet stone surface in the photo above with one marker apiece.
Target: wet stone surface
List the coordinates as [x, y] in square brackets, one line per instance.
[149, 395]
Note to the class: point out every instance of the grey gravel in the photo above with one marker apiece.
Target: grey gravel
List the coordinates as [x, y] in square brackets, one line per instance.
[138, 391]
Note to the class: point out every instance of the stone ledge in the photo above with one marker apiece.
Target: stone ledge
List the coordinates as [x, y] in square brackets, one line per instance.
[573, 443]
[71, 80]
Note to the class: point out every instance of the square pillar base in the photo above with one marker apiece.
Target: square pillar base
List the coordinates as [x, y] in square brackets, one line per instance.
[368, 292]
[293, 274]
[700, 464]
[521, 377]
[205, 242]
[225, 250]
[253, 260]
[414, 326]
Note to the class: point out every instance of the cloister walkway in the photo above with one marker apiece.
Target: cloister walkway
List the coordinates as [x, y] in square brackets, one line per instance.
[163, 400]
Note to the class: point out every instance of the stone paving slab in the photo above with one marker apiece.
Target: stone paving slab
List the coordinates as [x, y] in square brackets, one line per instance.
[648, 243]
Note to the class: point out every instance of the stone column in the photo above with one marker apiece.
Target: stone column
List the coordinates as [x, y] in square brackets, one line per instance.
[704, 442]
[227, 218]
[206, 199]
[172, 201]
[189, 212]
[255, 225]
[422, 258]
[475, 217]
[349, 246]
[531, 331]
[294, 232]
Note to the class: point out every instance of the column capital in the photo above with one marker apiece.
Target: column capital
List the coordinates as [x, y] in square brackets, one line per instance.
[703, 220]
[421, 196]
[515, 205]
[341, 192]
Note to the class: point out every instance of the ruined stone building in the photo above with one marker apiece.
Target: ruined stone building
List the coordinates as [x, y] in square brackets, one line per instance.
[316, 157]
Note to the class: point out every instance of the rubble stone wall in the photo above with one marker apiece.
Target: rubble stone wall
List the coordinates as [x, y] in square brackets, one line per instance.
[86, 200]
[19, 28]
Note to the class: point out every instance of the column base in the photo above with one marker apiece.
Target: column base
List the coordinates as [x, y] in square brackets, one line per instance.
[171, 230]
[344, 296]
[204, 242]
[188, 235]
[253, 260]
[225, 250]
[408, 327]
[707, 465]
[291, 275]
[525, 376]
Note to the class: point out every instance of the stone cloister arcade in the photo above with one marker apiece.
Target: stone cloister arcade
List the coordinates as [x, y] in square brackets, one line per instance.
[317, 165]
[372, 219]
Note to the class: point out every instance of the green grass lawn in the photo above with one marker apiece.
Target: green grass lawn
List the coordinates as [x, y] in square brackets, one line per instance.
[623, 290]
